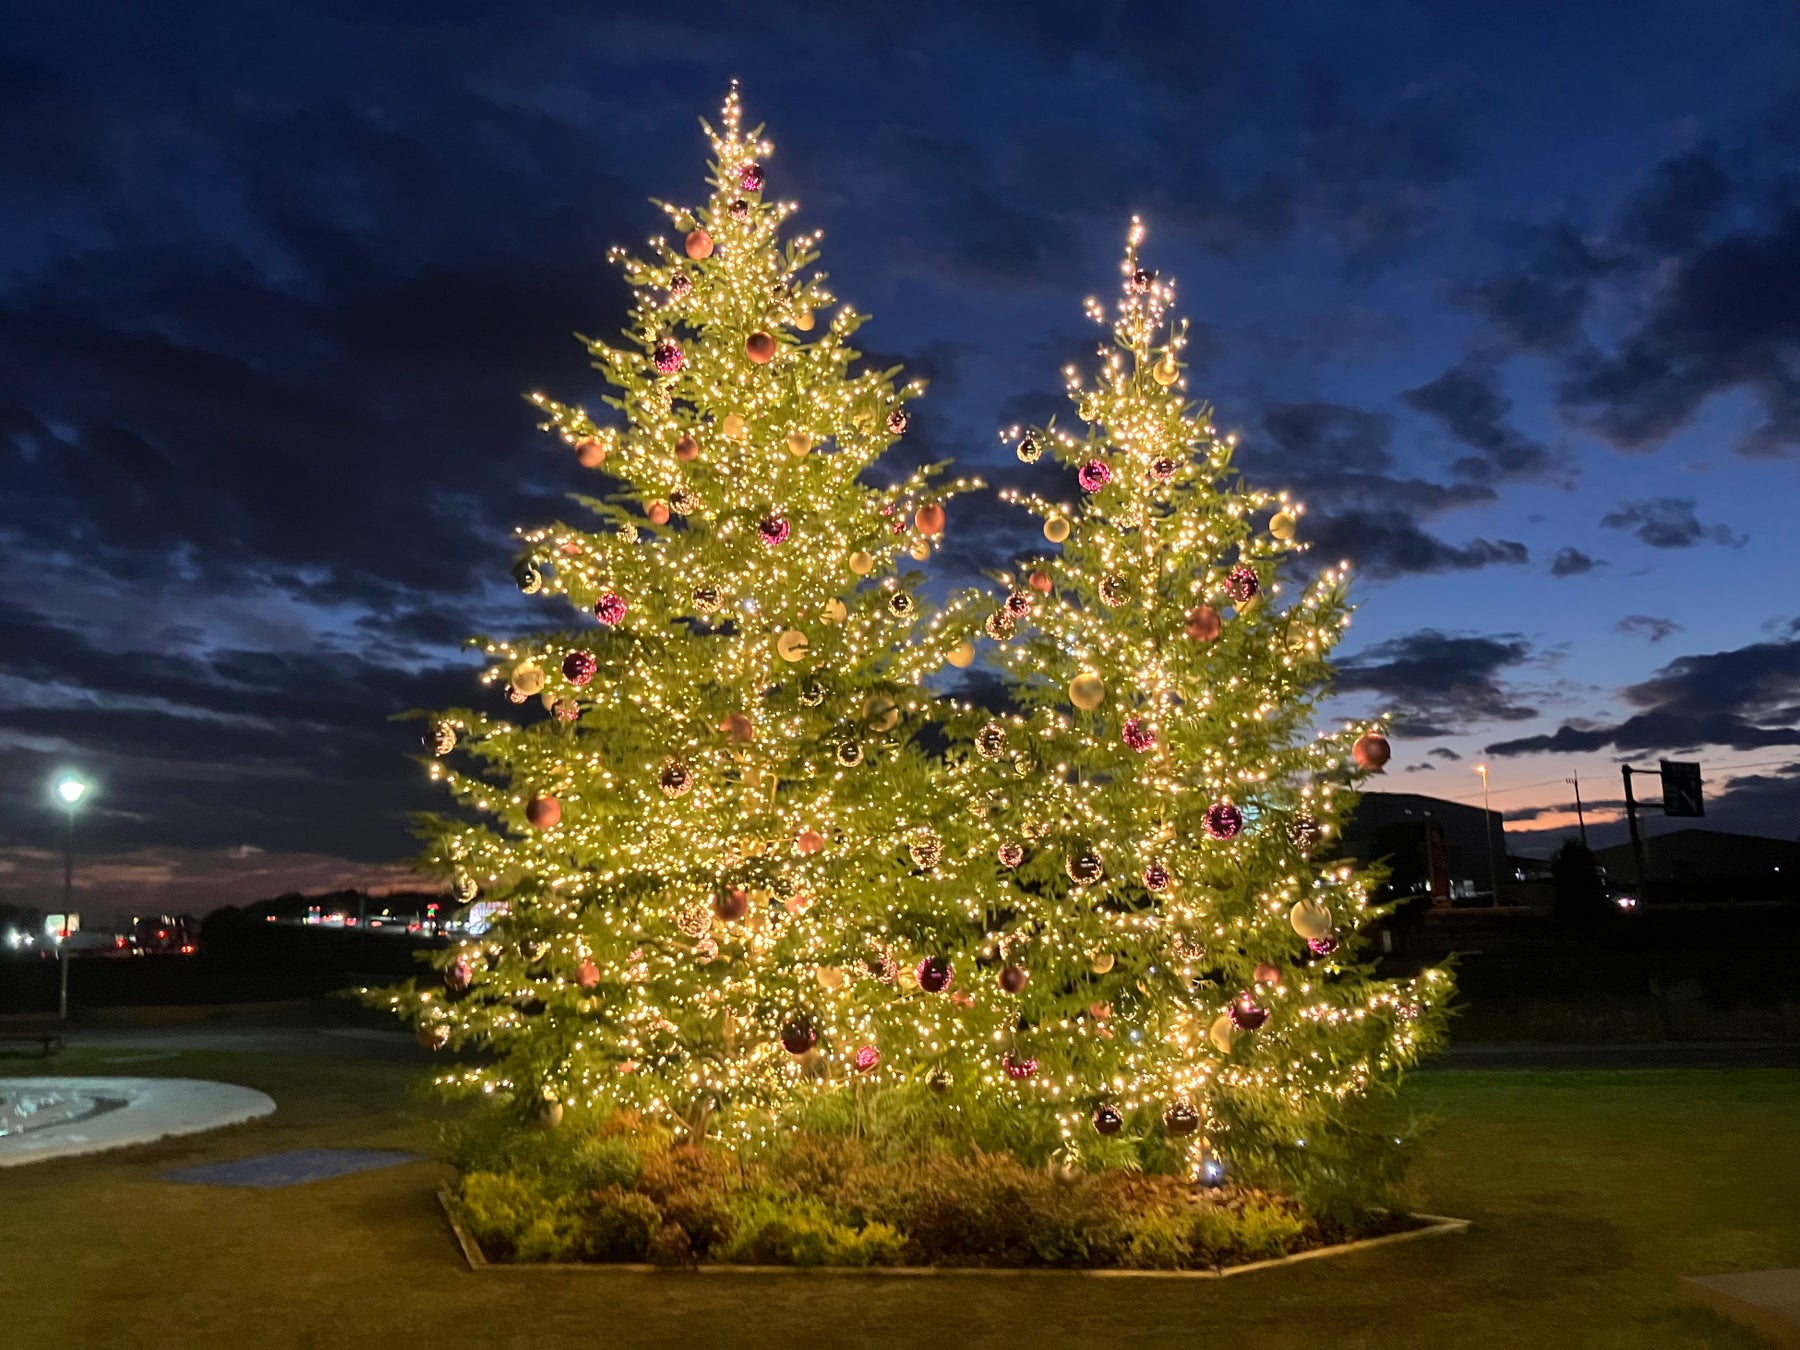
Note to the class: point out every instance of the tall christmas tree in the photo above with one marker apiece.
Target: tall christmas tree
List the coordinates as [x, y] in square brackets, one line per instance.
[1141, 927]
[695, 803]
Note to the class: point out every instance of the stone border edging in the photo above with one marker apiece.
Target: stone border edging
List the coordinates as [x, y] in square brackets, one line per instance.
[1435, 1225]
[154, 1108]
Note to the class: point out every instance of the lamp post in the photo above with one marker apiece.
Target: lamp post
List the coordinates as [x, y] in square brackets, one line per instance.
[70, 790]
[1487, 822]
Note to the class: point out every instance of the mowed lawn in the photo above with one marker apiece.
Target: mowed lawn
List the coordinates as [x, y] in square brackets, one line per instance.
[1591, 1193]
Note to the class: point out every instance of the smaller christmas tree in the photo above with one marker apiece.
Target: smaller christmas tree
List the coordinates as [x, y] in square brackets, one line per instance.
[1141, 929]
[672, 854]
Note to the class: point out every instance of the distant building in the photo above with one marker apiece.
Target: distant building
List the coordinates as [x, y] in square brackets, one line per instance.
[1686, 865]
[1446, 850]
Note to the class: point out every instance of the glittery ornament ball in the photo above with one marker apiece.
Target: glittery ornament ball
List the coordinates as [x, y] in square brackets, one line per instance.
[1020, 1069]
[667, 357]
[1223, 820]
[1162, 470]
[610, 609]
[1114, 590]
[675, 779]
[1322, 946]
[1303, 832]
[750, 177]
[939, 1081]
[812, 695]
[1108, 1121]
[1084, 869]
[707, 599]
[681, 285]
[1241, 585]
[925, 849]
[1137, 734]
[1157, 877]
[773, 530]
[883, 967]
[459, 975]
[566, 710]
[1018, 604]
[1029, 451]
[865, 1058]
[529, 576]
[901, 605]
[684, 501]
[516, 695]
[579, 667]
[935, 974]
[1180, 1119]
[999, 625]
[990, 741]
[739, 210]
[441, 739]
[849, 754]
[799, 1035]
[1246, 1014]
[1141, 281]
[897, 421]
[1010, 854]
[1093, 475]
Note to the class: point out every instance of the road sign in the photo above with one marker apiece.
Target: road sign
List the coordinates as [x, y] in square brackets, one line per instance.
[1681, 789]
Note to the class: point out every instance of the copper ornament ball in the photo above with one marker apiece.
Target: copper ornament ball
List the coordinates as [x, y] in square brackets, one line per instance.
[1203, 623]
[698, 244]
[732, 905]
[760, 348]
[543, 812]
[1371, 751]
[929, 519]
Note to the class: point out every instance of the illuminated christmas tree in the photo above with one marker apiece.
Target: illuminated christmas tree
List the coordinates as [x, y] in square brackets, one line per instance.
[1139, 928]
[695, 802]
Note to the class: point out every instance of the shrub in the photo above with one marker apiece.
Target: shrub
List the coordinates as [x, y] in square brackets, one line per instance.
[690, 1186]
[512, 1218]
[621, 1224]
[781, 1230]
[1160, 1241]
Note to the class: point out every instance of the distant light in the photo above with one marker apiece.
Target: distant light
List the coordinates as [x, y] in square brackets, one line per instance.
[1626, 902]
[70, 789]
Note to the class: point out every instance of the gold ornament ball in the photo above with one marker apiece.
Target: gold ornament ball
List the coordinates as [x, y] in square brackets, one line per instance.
[1282, 525]
[1057, 528]
[1087, 691]
[1220, 1033]
[799, 444]
[528, 678]
[732, 427]
[803, 320]
[831, 977]
[1310, 919]
[1101, 962]
[1165, 372]
[919, 550]
[836, 611]
[881, 713]
[549, 1115]
[962, 655]
[862, 563]
[792, 645]
[698, 244]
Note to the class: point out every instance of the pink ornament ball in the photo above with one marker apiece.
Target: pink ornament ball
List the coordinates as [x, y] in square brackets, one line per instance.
[865, 1058]
[1246, 1014]
[1223, 820]
[773, 531]
[1093, 475]
[1010, 854]
[935, 974]
[1162, 470]
[610, 609]
[897, 422]
[667, 357]
[1241, 584]
[1137, 734]
[1020, 1069]
[750, 177]
[579, 667]
[1322, 946]
[1157, 878]
[458, 975]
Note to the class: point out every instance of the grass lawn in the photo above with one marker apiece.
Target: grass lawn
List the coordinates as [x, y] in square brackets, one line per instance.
[1591, 1192]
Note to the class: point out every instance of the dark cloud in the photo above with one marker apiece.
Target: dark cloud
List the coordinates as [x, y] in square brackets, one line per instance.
[1443, 752]
[1647, 626]
[1572, 562]
[1390, 545]
[1468, 400]
[1747, 699]
[1440, 684]
[1668, 522]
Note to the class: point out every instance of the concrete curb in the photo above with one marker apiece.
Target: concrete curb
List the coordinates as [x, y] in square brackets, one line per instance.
[138, 1111]
[1435, 1225]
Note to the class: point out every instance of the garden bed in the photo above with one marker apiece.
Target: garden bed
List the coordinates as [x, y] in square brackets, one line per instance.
[1421, 1226]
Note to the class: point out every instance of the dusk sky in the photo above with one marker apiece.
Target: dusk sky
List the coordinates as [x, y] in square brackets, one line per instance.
[1510, 295]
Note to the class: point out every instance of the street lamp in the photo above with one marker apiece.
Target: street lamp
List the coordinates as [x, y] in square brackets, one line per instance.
[70, 790]
[1487, 821]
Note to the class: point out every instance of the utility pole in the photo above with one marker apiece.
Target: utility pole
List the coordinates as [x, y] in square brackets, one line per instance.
[1637, 835]
[1579, 817]
[1487, 820]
